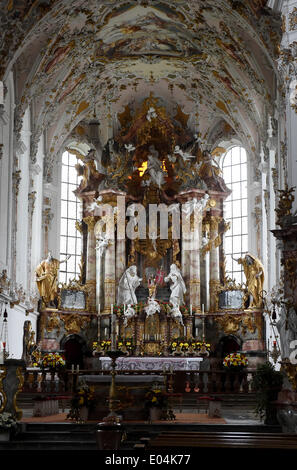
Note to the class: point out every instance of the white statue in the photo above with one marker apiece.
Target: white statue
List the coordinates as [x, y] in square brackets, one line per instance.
[287, 328]
[127, 286]
[101, 245]
[195, 205]
[128, 313]
[152, 307]
[154, 167]
[178, 287]
[176, 314]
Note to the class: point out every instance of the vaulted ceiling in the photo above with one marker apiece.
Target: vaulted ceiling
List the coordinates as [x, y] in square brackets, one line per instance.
[211, 60]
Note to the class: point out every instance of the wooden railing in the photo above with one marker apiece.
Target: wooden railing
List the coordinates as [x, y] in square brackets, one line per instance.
[199, 382]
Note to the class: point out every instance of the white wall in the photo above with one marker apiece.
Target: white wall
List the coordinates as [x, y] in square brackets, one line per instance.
[6, 134]
[22, 206]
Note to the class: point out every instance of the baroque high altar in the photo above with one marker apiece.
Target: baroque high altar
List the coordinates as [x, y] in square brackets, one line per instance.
[153, 266]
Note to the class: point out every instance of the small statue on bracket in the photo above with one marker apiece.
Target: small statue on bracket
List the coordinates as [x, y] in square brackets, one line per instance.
[129, 313]
[177, 315]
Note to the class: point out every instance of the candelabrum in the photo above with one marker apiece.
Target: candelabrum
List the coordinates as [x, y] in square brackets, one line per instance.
[112, 401]
[4, 335]
[274, 353]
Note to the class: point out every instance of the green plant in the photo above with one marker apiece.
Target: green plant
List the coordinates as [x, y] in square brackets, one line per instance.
[267, 382]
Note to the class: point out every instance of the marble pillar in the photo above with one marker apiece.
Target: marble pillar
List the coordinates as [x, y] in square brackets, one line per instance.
[120, 258]
[214, 261]
[195, 292]
[109, 279]
[91, 261]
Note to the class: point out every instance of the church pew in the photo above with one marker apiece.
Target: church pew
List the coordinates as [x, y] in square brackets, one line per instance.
[224, 440]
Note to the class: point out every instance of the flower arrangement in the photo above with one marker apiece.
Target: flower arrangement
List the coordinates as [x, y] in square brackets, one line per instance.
[188, 345]
[126, 344]
[156, 397]
[198, 345]
[235, 361]
[83, 397]
[53, 361]
[7, 422]
[103, 345]
[179, 345]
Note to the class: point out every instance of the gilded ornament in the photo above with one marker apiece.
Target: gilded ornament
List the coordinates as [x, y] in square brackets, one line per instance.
[286, 199]
[53, 323]
[74, 323]
[291, 371]
[293, 19]
[21, 379]
[3, 397]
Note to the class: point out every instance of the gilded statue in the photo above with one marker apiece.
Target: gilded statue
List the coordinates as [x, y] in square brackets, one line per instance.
[29, 344]
[254, 273]
[47, 278]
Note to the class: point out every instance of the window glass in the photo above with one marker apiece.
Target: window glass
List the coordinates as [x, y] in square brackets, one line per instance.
[70, 237]
[234, 169]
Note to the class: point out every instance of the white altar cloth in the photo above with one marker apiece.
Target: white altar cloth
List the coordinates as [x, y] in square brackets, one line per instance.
[152, 363]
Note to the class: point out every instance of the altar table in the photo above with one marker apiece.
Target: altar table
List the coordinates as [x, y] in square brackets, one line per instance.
[152, 363]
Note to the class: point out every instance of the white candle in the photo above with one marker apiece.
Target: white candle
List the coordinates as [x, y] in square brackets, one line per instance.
[203, 308]
[77, 368]
[72, 368]
[185, 331]
[191, 309]
[99, 309]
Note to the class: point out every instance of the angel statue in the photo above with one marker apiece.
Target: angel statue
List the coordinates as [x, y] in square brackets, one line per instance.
[177, 315]
[47, 278]
[152, 307]
[254, 273]
[127, 286]
[178, 287]
[129, 313]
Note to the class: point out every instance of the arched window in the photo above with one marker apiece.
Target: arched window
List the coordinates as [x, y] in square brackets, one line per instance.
[234, 169]
[70, 237]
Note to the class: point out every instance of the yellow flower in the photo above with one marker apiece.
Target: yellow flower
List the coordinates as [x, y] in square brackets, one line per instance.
[154, 399]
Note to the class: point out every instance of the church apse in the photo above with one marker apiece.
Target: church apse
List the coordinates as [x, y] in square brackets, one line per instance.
[153, 225]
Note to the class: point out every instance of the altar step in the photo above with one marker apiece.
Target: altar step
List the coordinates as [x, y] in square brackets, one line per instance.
[81, 437]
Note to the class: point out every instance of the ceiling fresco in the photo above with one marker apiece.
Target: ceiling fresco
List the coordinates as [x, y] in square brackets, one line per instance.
[213, 59]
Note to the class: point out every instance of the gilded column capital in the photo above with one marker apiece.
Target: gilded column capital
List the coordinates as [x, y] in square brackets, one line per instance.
[79, 226]
[91, 222]
[214, 223]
